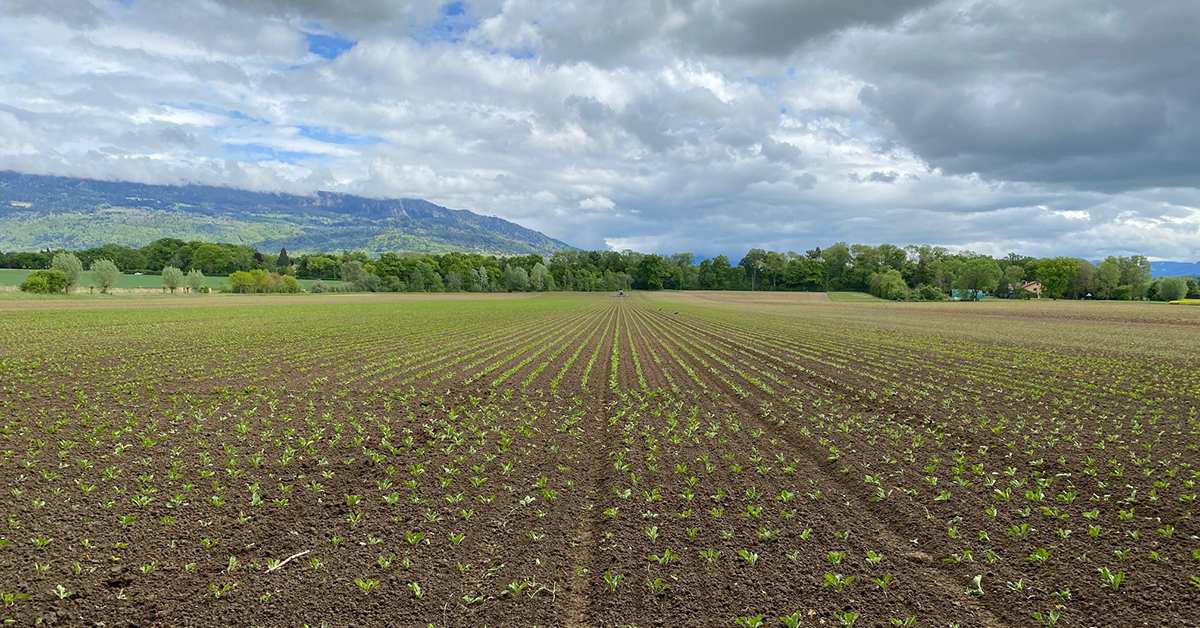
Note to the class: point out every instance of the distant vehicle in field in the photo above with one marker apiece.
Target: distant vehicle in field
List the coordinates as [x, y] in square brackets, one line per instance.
[620, 293]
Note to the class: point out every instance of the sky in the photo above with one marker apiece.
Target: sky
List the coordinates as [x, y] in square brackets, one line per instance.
[1047, 127]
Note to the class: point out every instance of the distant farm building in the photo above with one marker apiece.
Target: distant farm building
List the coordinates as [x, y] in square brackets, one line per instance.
[1033, 286]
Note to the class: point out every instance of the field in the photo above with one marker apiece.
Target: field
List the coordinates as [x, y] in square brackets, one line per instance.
[585, 460]
[12, 277]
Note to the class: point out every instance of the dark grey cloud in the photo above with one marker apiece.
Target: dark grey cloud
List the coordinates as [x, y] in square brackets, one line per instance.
[610, 32]
[877, 176]
[364, 15]
[777, 28]
[1098, 95]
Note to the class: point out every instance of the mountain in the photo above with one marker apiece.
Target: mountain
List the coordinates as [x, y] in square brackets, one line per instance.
[39, 212]
[1174, 269]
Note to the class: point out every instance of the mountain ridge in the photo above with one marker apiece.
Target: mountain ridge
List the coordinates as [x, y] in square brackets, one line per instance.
[50, 211]
[1174, 269]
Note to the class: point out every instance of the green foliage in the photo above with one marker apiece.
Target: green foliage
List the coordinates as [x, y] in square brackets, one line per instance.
[1055, 275]
[104, 274]
[196, 281]
[172, 278]
[1109, 579]
[1169, 289]
[978, 274]
[516, 278]
[931, 293]
[890, 272]
[889, 285]
[45, 282]
[259, 281]
[70, 266]
[650, 272]
[353, 273]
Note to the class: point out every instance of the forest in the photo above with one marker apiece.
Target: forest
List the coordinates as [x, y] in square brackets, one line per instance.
[887, 271]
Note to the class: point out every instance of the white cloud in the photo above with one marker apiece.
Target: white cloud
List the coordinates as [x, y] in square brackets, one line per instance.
[15, 138]
[660, 126]
[597, 202]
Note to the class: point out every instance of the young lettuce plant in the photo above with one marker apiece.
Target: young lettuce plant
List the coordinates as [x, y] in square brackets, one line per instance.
[838, 581]
[612, 581]
[1111, 580]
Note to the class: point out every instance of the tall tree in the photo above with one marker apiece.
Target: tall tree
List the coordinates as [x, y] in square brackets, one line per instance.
[1085, 282]
[105, 273]
[70, 266]
[774, 266]
[650, 272]
[1135, 272]
[195, 281]
[172, 278]
[753, 265]
[979, 274]
[1056, 274]
[1012, 280]
[1108, 277]
[837, 260]
[540, 279]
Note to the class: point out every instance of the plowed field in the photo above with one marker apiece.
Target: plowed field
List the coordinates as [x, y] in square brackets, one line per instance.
[582, 460]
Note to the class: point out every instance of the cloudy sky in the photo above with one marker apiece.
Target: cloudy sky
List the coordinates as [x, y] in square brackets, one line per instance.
[1041, 126]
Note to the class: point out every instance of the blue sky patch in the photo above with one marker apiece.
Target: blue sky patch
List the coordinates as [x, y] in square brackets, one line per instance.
[252, 153]
[331, 135]
[524, 52]
[453, 21]
[229, 113]
[327, 46]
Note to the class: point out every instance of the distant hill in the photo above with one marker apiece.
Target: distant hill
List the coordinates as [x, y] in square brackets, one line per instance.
[1174, 269]
[39, 212]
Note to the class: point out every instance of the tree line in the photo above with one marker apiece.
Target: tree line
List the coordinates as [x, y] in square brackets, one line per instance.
[888, 271]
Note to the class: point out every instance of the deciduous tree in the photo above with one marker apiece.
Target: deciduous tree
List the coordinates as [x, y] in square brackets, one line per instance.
[979, 274]
[105, 273]
[172, 278]
[70, 266]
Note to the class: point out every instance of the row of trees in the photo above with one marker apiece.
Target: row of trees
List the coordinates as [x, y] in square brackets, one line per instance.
[207, 257]
[65, 271]
[892, 272]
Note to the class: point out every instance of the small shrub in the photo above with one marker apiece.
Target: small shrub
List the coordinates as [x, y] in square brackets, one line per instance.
[932, 293]
[45, 282]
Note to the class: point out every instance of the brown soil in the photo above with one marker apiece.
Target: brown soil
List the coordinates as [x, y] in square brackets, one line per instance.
[163, 487]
